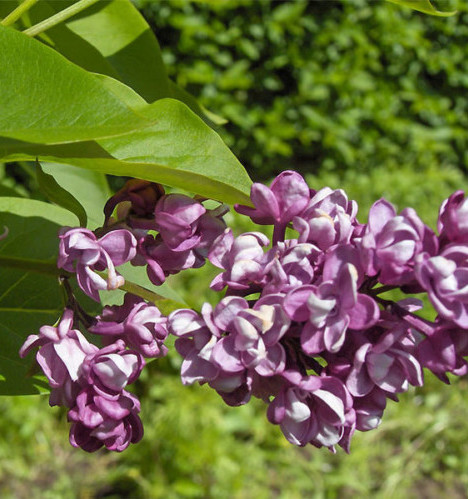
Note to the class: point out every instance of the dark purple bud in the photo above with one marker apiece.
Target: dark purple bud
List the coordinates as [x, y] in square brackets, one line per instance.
[136, 200]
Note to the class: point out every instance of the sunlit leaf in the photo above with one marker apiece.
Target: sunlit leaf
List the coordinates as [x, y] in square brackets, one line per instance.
[45, 98]
[424, 6]
[180, 150]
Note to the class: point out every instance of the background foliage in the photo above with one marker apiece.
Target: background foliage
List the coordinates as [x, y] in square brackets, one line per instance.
[360, 95]
[342, 85]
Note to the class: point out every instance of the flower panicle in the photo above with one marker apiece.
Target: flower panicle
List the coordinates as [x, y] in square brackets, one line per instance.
[303, 324]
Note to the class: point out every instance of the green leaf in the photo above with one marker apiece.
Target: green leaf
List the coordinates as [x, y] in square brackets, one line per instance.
[45, 98]
[119, 32]
[113, 39]
[180, 150]
[424, 6]
[58, 195]
[33, 208]
[64, 40]
[89, 187]
[28, 300]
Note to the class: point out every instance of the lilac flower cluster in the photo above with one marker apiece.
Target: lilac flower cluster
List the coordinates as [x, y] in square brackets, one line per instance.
[302, 324]
[91, 381]
[185, 230]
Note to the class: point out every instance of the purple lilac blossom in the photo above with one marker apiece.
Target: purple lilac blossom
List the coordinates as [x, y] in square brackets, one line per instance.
[453, 219]
[62, 350]
[176, 218]
[332, 307]
[110, 369]
[80, 251]
[386, 364]
[444, 351]
[98, 421]
[312, 409]
[161, 261]
[391, 243]
[288, 265]
[242, 258]
[139, 324]
[328, 219]
[445, 279]
[90, 382]
[186, 233]
[278, 204]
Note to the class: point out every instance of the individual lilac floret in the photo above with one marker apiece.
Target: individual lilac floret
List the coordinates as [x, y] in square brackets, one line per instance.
[369, 409]
[61, 354]
[289, 266]
[139, 324]
[253, 342]
[98, 421]
[328, 219]
[161, 261]
[391, 243]
[332, 307]
[453, 219]
[110, 369]
[312, 409]
[168, 253]
[185, 224]
[445, 278]
[444, 351]
[81, 252]
[387, 364]
[242, 258]
[278, 204]
[197, 336]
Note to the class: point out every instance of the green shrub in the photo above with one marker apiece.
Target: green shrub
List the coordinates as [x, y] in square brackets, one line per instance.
[350, 85]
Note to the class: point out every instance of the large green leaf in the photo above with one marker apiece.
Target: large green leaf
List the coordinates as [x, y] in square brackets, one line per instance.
[113, 39]
[28, 300]
[424, 6]
[45, 98]
[60, 196]
[119, 32]
[180, 150]
[89, 187]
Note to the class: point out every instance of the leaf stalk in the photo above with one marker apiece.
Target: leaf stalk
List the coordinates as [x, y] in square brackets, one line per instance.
[14, 15]
[61, 16]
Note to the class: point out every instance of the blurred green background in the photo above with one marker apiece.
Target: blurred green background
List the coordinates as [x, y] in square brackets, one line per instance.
[366, 96]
